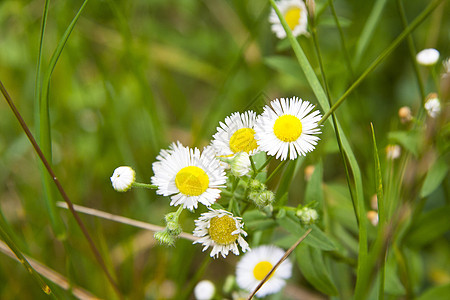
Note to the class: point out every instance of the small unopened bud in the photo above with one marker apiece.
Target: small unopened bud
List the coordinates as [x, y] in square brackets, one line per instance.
[265, 198]
[393, 152]
[432, 105]
[253, 196]
[172, 224]
[164, 237]
[373, 217]
[256, 185]
[123, 178]
[204, 290]
[427, 57]
[404, 113]
[240, 164]
[307, 215]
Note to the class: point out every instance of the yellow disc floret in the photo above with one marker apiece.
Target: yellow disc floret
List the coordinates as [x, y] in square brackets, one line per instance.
[243, 140]
[292, 17]
[220, 230]
[287, 128]
[192, 181]
[262, 269]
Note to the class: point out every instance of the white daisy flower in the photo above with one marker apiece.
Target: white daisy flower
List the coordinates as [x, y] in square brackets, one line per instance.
[236, 135]
[220, 230]
[188, 175]
[204, 290]
[432, 105]
[287, 129]
[427, 57]
[295, 14]
[123, 178]
[255, 265]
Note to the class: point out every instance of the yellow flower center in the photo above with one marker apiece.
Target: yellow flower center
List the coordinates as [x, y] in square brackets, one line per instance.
[262, 269]
[292, 17]
[243, 140]
[287, 128]
[192, 181]
[220, 229]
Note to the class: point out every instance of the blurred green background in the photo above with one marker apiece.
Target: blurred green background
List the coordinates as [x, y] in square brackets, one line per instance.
[137, 75]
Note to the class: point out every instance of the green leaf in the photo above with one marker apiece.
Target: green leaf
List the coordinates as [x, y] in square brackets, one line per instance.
[408, 140]
[434, 177]
[435, 293]
[312, 265]
[317, 238]
[285, 65]
[429, 227]
[257, 220]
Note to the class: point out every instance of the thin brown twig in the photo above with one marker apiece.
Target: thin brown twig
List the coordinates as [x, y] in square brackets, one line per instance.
[279, 263]
[123, 220]
[51, 275]
[60, 189]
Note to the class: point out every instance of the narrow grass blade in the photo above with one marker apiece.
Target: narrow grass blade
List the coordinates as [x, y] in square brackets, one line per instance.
[381, 208]
[368, 30]
[51, 275]
[44, 119]
[379, 180]
[25, 263]
[55, 221]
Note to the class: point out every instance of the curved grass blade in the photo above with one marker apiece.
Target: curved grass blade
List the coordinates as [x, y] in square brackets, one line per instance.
[25, 263]
[368, 30]
[44, 119]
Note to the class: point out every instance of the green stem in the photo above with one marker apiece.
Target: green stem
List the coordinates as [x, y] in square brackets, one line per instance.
[277, 169]
[341, 36]
[253, 165]
[263, 166]
[144, 185]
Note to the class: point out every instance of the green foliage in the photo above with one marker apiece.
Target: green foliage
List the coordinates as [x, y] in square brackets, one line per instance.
[108, 83]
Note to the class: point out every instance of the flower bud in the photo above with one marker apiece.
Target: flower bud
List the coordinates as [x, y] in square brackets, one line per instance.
[404, 113]
[432, 105]
[204, 290]
[123, 178]
[240, 164]
[373, 217]
[164, 237]
[307, 215]
[427, 57]
[265, 198]
[393, 152]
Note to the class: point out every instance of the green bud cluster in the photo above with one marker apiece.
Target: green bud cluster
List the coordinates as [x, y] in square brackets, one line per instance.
[172, 230]
[307, 215]
[259, 193]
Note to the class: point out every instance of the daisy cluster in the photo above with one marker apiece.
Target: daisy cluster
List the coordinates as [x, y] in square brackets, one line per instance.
[192, 178]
